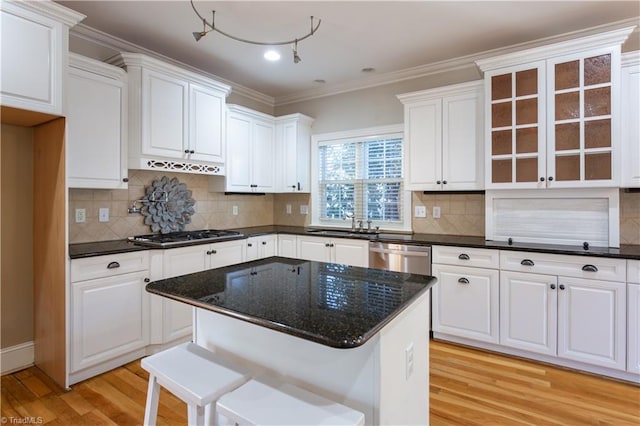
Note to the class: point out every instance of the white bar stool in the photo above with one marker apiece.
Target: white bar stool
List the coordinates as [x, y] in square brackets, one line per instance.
[266, 401]
[193, 374]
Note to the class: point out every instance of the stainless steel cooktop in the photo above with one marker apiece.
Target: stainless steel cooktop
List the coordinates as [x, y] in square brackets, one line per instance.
[184, 238]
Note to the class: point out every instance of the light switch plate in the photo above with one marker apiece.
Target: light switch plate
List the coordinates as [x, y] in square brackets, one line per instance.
[304, 209]
[81, 215]
[420, 211]
[234, 210]
[103, 214]
[288, 208]
[436, 212]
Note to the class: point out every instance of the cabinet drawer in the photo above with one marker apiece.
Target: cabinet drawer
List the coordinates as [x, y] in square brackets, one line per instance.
[600, 268]
[109, 265]
[465, 256]
[633, 271]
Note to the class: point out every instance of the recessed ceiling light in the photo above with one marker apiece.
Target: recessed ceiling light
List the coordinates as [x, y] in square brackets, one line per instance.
[319, 81]
[271, 55]
[368, 69]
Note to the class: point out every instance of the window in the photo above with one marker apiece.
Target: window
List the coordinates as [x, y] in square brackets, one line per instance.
[359, 173]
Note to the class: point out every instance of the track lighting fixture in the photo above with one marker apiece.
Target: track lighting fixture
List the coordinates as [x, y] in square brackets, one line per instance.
[207, 27]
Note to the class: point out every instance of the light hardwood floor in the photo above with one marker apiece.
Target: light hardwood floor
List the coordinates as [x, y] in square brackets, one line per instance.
[468, 387]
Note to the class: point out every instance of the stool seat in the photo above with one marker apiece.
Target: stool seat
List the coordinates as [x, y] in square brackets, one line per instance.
[192, 373]
[266, 401]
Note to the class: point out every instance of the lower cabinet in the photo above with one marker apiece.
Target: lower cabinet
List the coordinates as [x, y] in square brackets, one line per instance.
[633, 315]
[287, 245]
[334, 250]
[261, 246]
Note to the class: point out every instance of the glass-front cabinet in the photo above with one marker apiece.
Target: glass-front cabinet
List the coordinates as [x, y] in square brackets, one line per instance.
[552, 115]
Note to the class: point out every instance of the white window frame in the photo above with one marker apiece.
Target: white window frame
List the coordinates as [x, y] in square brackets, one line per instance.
[370, 133]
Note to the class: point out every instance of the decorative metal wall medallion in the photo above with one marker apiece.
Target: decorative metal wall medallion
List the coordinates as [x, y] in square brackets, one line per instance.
[168, 205]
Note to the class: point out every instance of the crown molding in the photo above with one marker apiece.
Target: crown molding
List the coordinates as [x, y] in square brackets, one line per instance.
[119, 45]
[630, 58]
[50, 9]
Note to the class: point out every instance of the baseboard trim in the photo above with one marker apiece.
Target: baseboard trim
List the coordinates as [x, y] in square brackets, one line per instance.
[16, 357]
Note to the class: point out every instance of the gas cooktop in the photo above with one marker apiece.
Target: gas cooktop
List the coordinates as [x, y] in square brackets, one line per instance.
[184, 238]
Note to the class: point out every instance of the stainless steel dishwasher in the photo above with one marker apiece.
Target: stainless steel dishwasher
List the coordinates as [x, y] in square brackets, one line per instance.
[400, 257]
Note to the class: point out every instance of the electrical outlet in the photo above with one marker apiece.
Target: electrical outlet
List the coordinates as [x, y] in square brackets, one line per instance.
[436, 212]
[234, 210]
[408, 361]
[81, 215]
[103, 214]
[420, 211]
[288, 208]
[304, 209]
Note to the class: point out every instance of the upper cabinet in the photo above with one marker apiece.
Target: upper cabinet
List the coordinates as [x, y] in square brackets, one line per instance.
[443, 138]
[96, 124]
[176, 120]
[35, 44]
[293, 137]
[553, 114]
[630, 123]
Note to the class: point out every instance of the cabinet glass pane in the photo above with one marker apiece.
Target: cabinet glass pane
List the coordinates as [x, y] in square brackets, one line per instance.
[597, 70]
[501, 114]
[527, 140]
[526, 170]
[568, 167]
[500, 171]
[567, 75]
[597, 134]
[501, 87]
[597, 102]
[567, 106]
[597, 166]
[527, 82]
[501, 142]
[527, 111]
[567, 136]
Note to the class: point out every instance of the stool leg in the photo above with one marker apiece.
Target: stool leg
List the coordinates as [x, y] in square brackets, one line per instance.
[195, 415]
[153, 395]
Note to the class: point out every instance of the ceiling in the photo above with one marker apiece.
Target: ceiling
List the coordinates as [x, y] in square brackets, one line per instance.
[388, 36]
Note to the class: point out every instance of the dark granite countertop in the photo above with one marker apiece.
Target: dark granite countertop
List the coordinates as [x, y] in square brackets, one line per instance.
[628, 251]
[335, 305]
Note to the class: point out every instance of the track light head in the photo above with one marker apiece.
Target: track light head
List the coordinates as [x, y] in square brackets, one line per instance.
[198, 35]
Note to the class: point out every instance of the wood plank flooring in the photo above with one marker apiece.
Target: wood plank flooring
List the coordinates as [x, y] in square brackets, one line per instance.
[468, 387]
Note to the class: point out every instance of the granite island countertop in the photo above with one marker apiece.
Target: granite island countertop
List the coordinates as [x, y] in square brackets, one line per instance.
[335, 305]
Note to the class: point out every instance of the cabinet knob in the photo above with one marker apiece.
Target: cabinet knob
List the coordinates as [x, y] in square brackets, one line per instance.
[552, 286]
[113, 265]
[249, 245]
[264, 243]
[147, 280]
[542, 179]
[438, 182]
[293, 187]
[210, 252]
[550, 178]
[192, 152]
[186, 151]
[561, 286]
[444, 182]
[463, 256]
[527, 262]
[125, 180]
[590, 268]
[327, 245]
[463, 280]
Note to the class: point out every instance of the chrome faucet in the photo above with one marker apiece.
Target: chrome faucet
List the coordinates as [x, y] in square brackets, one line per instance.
[351, 216]
[369, 225]
[360, 226]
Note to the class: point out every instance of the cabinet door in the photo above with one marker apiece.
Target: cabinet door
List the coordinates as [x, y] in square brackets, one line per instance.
[109, 318]
[267, 246]
[592, 321]
[423, 156]
[314, 248]
[528, 311]
[263, 150]
[164, 111]
[515, 127]
[206, 129]
[32, 60]
[252, 248]
[239, 153]
[582, 93]
[633, 331]
[630, 92]
[227, 253]
[287, 246]
[462, 142]
[465, 302]
[96, 141]
[350, 252]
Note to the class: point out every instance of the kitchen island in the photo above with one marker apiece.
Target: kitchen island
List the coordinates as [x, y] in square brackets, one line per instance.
[357, 336]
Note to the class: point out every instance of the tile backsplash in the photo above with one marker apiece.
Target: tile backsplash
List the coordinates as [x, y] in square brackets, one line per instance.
[460, 214]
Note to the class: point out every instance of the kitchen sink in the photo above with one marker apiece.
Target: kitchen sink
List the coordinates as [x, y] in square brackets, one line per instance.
[342, 233]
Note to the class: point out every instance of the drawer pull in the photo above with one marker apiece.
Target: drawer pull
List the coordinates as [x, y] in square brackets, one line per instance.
[463, 256]
[463, 281]
[527, 262]
[113, 265]
[590, 268]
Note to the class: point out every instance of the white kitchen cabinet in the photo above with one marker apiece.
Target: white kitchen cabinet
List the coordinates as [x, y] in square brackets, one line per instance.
[35, 44]
[176, 117]
[251, 151]
[633, 316]
[465, 301]
[109, 310]
[177, 317]
[444, 138]
[333, 250]
[552, 114]
[630, 111]
[262, 246]
[287, 246]
[563, 306]
[293, 138]
[96, 124]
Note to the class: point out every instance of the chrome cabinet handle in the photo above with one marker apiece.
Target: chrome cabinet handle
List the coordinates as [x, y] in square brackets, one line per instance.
[463, 280]
[527, 262]
[590, 268]
[113, 265]
[463, 256]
